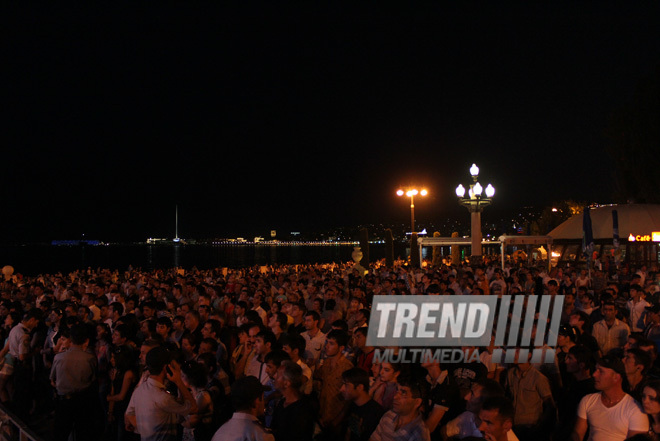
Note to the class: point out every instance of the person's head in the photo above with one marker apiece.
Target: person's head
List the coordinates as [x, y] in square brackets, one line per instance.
[273, 361]
[567, 334]
[636, 362]
[410, 396]
[294, 345]
[355, 384]
[360, 337]
[116, 309]
[120, 334]
[78, 334]
[264, 342]
[496, 417]
[289, 375]
[32, 318]
[157, 360]
[579, 360]
[247, 395]
[389, 372]
[163, 327]
[311, 321]
[146, 346]
[194, 374]
[210, 362]
[609, 310]
[211, 329]
[191, 321]
[610, 373]
[480, 391]
[278, 321]
[208, 345]
[190, 344]
[177, 323]
[335, 343]
[651, 397]
[122, 358]
[636, 291]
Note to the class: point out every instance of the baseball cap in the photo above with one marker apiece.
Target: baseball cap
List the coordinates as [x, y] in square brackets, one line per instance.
[614, 363]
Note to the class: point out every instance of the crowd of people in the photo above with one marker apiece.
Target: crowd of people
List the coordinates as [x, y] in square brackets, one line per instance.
[280, 353]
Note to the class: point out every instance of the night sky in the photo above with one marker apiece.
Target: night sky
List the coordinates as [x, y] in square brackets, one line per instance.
[304, 116]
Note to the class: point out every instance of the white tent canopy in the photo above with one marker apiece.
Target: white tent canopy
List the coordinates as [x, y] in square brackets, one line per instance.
[635, 219]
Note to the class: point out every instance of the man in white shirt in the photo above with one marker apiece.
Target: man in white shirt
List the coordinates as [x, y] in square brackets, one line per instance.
[247, 396]
[610, 333]
[636, 305]
[611, 414]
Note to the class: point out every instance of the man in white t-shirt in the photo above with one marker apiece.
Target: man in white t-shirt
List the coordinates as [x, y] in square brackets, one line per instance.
[611, 414]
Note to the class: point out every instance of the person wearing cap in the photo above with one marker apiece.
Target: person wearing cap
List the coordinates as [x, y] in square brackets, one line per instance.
[152, 411]
[610, 414]
[247, 396]
[566, 339]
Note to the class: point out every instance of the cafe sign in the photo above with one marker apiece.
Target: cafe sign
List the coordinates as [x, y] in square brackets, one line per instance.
[653, 237]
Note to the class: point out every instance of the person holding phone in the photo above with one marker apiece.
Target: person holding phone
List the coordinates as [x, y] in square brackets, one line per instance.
[159, 411]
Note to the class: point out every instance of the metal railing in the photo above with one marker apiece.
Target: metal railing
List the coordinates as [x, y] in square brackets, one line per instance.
[13, 428]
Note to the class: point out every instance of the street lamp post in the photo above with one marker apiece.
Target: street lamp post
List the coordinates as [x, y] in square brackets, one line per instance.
[411, 193]
[475, 203]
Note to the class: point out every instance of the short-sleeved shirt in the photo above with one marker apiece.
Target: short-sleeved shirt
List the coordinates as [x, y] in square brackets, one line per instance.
[242, 427]
[528, 391]
[156, 411]
[614, 423]
[73, 371]
[19, 341]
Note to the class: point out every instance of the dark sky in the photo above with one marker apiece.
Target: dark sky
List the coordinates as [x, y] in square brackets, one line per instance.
[304, 115]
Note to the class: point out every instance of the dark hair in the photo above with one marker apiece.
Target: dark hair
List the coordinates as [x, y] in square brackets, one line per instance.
[361, 330]
[641, 358]
[341, 324]
[338, 335]
[282, 319]
[164, 321]
[276, 357]
[211, 342]
[79, 334]
[209, 360]
[196, 373]
[268, 337]
[502, 405]
[216, 326]
[315, 315]
[193, 339]
[124, 358]
[117, 307]
[295, 341]
[244, 328]
[157, 358]
[356, 377]
[418, 386]
[583, 355]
